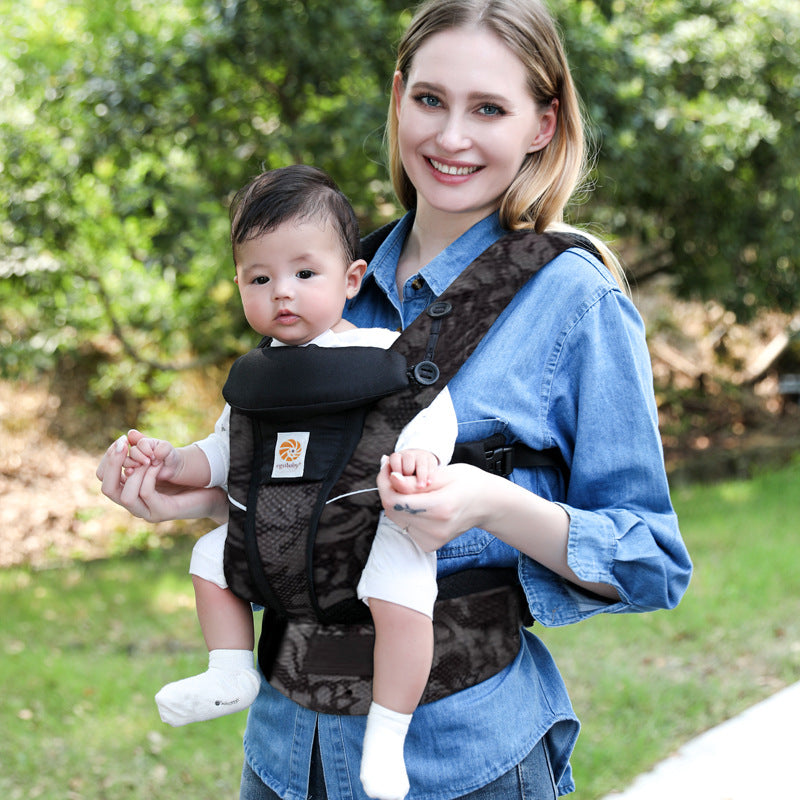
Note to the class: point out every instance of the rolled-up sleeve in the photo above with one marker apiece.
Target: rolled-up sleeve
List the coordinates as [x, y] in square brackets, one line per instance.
[602, 415]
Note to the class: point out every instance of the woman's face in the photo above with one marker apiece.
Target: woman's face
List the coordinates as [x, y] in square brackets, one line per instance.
[466, 121]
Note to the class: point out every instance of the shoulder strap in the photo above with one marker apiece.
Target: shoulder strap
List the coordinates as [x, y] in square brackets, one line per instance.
[490, 282]
[466, 310]
[447, 334]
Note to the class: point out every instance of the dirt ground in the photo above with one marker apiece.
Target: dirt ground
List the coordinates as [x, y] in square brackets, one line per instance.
[51, 508]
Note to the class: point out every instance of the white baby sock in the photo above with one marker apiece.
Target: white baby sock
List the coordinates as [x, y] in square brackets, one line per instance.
[383, 768]
[230, 684]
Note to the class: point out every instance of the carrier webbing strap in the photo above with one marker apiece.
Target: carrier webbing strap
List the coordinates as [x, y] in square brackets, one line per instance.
[495, 456]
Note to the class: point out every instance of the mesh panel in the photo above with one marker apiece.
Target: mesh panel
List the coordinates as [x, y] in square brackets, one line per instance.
[282, 529]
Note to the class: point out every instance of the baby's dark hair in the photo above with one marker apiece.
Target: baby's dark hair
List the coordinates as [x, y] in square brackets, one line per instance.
[296, 192]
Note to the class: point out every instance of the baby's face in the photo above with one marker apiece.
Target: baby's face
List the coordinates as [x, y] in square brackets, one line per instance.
[294, 281]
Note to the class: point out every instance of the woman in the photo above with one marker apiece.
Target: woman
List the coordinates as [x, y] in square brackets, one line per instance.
[485, 137]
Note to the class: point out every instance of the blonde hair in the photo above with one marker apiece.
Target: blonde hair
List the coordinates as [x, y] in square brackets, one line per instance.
[548, 178]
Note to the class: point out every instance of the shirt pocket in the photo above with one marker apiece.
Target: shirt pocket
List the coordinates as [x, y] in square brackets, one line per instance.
[473, 542]
[478, 429]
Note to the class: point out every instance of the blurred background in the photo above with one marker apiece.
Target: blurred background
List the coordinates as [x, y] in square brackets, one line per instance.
[126, 126]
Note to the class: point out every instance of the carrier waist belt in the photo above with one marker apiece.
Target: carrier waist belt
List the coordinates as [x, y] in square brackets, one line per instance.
[328, 668]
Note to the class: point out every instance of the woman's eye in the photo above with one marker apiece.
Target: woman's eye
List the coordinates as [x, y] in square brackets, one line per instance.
[490, 110]
[428, 100]
[305, 274]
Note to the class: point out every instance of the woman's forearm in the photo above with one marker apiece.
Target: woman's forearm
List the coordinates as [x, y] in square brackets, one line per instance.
[536, 527]
[461, 497]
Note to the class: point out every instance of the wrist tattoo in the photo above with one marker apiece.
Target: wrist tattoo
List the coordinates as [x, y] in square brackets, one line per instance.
[408, 510]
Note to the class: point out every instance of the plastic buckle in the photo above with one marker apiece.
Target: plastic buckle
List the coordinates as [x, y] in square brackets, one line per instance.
[500, 460]
[438, 309]
[426, 373]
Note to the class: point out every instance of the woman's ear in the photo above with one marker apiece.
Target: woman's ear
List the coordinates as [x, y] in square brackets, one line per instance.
[548, 122]
[398, 88]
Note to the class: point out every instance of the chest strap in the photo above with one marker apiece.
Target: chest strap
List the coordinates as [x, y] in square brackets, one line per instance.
[499, 458]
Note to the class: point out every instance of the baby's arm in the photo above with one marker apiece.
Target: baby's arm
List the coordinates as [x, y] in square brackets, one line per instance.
[413, 468]
[183, 466]
[423, 445]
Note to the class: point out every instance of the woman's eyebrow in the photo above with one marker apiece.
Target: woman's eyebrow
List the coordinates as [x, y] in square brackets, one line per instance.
[477, 96]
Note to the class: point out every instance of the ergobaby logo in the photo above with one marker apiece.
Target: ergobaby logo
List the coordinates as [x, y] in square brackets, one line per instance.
[290, 454]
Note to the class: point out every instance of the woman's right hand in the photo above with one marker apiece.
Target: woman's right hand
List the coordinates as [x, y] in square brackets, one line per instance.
[141, 493]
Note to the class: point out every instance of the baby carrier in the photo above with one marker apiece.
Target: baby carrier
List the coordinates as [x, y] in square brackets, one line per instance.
[308, 428]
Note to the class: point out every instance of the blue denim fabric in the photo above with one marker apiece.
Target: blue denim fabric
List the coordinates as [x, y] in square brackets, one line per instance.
[531, 779]
[565, 365]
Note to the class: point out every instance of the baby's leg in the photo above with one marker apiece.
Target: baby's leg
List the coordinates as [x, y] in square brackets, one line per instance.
[402, 657]
[399, 583]
[231, 682]
[225, 619]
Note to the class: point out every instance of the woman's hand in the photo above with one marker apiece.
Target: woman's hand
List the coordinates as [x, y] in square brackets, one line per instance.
[141, 493]
[461, 497]
[450, 504]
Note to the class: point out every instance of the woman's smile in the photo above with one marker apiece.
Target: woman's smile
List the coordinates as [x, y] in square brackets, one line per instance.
[452, 169]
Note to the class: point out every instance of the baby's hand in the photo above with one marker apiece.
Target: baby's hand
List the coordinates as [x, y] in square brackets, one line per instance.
[149, 452]
[418, 464]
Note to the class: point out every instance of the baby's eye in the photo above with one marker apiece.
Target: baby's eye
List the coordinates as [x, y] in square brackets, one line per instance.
[261, 279]
[305, 274]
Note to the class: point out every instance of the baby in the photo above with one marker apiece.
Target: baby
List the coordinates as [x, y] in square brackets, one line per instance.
[295, 243]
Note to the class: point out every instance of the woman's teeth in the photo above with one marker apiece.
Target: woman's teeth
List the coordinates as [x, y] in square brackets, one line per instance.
[452, 170]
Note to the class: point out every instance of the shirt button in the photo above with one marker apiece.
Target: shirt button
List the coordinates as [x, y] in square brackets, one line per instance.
[417, 284]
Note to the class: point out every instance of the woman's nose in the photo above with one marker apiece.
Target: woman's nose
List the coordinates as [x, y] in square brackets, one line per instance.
[453, 135]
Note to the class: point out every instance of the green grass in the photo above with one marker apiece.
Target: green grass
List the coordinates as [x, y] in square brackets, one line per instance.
[84, 648]
[644, 684]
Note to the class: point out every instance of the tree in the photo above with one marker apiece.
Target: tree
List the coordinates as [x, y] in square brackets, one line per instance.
[696, 107]
[125, 127]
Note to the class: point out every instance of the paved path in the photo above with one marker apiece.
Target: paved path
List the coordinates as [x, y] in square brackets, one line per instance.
[754, 756]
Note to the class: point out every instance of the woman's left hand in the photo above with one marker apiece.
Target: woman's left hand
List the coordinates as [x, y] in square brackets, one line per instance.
[448, 506]
[461, 497]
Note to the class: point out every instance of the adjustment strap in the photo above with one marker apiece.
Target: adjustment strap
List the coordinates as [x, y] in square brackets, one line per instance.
[499, 458]
[426, 373]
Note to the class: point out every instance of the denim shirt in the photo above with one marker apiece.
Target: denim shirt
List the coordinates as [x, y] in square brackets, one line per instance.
[566, 365]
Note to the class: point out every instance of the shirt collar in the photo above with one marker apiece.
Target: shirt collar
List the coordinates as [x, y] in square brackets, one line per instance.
[443, 269]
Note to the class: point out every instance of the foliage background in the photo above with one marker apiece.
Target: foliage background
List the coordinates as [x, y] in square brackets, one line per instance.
[126, 125]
